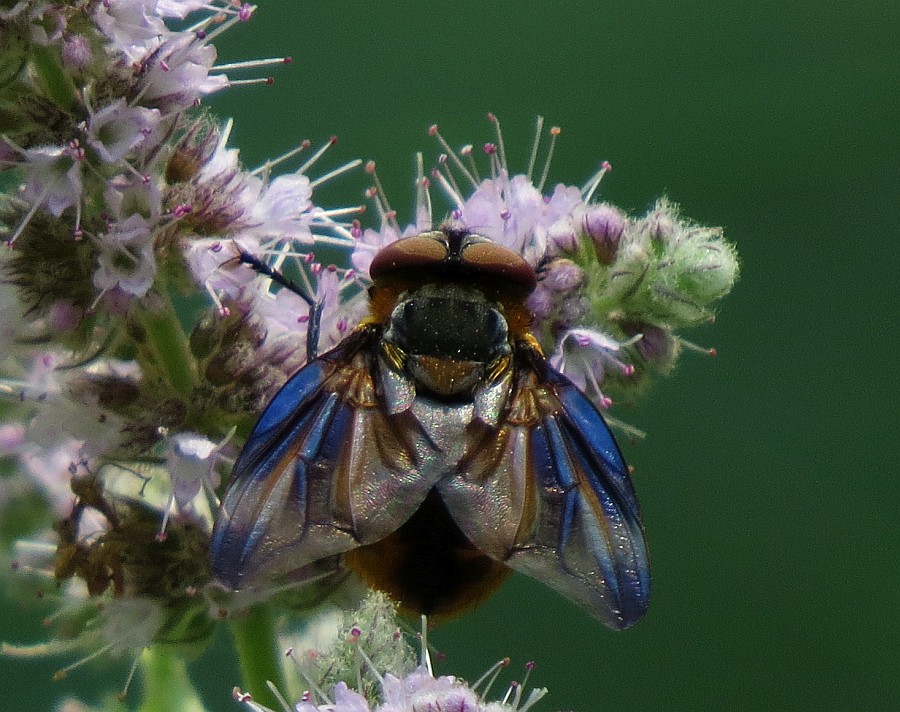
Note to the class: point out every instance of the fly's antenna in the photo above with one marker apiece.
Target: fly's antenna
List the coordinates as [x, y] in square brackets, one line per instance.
[315, 308]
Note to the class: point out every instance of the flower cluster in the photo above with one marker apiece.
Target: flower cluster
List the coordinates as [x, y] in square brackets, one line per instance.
[363, 663]
[612, 289]
[118, 410]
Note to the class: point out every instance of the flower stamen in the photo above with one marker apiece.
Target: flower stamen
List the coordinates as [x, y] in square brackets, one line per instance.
[62, 673]
[27, 219]
[450, 153]
[313, 685]
[554, 132]
[268, 81]
[591, 185]
[251, 64]
[424, 220]
[490, 676]
[340, 170]
[317, 155]
[691, 346]
[538, 129]
[500, 145]
[278, 696]
[272, 162]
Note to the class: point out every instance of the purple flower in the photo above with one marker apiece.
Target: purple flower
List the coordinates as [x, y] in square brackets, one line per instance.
[421, 691]
[176, 73]
[180, 8]
[131, 26]
[285, 209]
[584, 355]
[374, 651]
[509, 209]
[214, 265]
[604, 224]
[53, 177]
[369, 242]
[126, 259]
[117, 128]
[345, 700]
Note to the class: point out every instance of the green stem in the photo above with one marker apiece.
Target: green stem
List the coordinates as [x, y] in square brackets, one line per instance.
[258, 654]
[166, 683]
[166, 347]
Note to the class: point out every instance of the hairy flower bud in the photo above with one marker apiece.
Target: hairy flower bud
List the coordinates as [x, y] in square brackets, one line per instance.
[562, 275]
[604, 224]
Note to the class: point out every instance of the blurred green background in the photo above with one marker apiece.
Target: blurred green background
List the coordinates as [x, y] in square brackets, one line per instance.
[769, 478]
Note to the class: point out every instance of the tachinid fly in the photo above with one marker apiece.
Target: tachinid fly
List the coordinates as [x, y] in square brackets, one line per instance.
[434, 449]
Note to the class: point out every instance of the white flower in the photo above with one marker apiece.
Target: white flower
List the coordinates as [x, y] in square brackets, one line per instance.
[53, 175]
[285, 209]
[117, 128]
[126, 258]
[176, 73]
[192, 460]
[584, 355]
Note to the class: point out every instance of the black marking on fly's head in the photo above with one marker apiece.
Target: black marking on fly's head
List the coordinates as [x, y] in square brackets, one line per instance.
[456, 240]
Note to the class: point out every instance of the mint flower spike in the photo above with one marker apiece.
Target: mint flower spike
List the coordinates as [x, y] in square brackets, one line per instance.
[369, 667]
[96, 109]
[275, 219]
[128, 192]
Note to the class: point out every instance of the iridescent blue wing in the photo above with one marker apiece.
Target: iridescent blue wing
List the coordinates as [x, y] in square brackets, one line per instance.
[548, 493]
[325, 470]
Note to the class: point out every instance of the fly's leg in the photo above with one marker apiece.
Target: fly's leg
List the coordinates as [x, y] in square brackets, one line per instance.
[315, 308]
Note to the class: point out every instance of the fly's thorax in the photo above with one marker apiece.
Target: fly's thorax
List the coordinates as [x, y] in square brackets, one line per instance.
[446, 337]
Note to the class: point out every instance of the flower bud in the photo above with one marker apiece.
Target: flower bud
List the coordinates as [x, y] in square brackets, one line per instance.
[76, 52]
[656, 345]
[562, 275]
[540, 303]
[706, 266]
[662, 222]
[604, 224]
[563, 235]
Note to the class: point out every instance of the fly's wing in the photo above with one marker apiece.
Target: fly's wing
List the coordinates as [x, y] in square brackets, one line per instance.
[548, 493]
[325, 470]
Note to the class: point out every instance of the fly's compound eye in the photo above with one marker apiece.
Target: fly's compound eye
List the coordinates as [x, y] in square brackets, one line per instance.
[493, 259]
[454, 252]
[409, 253]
